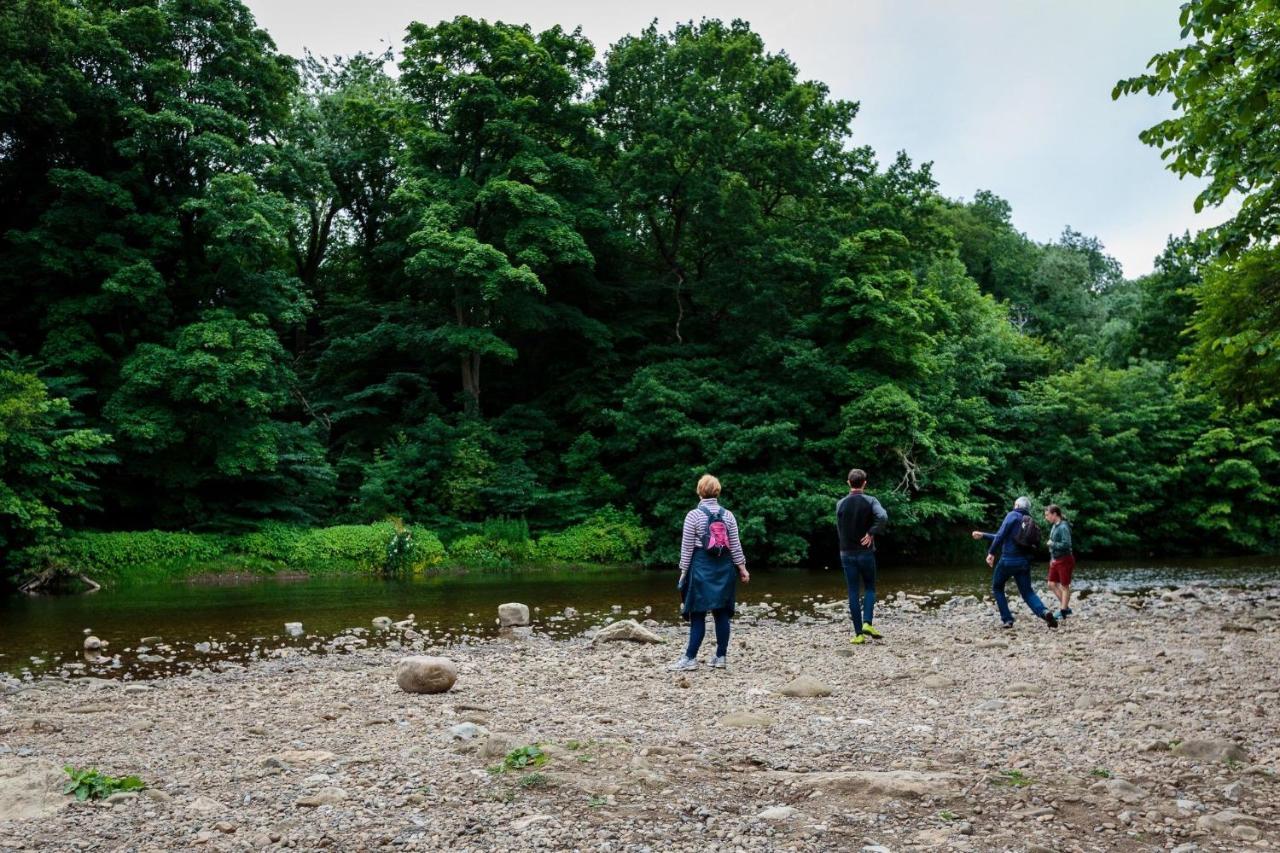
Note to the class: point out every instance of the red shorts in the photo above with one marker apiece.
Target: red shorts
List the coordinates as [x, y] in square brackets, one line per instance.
[1060, 569]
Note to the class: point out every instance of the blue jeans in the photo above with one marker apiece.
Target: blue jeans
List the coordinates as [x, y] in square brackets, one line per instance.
[1020, 571]
[698, 630]
[860, 566]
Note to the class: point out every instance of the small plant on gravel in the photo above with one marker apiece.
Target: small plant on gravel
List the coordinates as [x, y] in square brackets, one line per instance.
[534, 780]
[946, 814]
[89, 784]
[1013, 779]
[1100, 772]
[596, 802]
[524, 757]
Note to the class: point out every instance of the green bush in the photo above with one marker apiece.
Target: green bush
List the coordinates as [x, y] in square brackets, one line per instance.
[479, 550]
[111, 555]
[347, 546]
[609, 536]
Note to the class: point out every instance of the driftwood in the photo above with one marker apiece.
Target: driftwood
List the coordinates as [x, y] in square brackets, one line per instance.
[53, 576]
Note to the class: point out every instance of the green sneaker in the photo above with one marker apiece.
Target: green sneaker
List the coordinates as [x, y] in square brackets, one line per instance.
[871, 631]
[857, 639]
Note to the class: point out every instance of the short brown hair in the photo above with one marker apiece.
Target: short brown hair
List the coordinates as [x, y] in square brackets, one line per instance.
[1054, 509]
[857, 478]
[708, 487]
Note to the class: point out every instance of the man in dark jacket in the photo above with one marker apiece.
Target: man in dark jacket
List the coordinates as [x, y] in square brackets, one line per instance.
[1014, 562]
[859, 519]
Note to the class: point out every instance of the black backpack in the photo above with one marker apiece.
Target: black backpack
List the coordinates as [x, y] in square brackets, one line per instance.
[1027, 534]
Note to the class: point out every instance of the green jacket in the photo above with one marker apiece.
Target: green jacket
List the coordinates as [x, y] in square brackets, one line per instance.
[1060, 540]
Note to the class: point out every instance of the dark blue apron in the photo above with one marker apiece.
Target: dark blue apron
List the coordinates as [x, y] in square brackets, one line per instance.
[713, 580]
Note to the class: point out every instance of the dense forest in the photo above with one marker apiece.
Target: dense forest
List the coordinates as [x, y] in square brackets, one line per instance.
[501, 275]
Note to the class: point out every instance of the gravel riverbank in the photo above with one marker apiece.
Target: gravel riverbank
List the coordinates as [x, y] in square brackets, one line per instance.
[1144, 723]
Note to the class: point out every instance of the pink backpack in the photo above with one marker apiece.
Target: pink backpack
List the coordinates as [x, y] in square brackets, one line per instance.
[717, 538]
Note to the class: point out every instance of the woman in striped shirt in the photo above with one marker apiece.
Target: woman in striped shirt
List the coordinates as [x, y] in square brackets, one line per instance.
[711, 563]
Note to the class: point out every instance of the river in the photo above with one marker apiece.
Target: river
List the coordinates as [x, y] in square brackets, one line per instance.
[246, 620]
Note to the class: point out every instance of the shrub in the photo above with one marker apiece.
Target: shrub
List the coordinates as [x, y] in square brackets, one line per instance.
[479, 550]
[365, 547]
[609, 536]
[110, 554]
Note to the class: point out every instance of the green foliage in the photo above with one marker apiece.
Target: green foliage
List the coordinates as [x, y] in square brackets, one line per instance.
[92, 785]
[1012, 779]
[534, 780]
[524, 757]
[504, 287]
[606, 537]
[47, 464]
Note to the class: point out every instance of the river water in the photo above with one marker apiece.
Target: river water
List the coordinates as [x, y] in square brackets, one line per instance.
[246, 620]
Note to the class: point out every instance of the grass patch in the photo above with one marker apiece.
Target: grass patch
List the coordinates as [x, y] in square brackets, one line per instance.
[534, 780]
[1100, 772]
[1012, 779]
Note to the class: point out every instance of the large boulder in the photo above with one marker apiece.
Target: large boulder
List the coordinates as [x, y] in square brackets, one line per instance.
[30, 789]
[424, 674]
[513, 615]
[626, 629]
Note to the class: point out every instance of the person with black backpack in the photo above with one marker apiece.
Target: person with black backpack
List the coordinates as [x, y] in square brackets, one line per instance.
[859, 519]
[1016, 541]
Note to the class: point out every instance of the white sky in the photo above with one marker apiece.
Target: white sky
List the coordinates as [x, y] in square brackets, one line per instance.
[1013, 96]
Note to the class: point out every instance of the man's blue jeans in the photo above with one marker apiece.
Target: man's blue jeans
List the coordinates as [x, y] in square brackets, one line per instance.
[1020, 571]
[860, 566]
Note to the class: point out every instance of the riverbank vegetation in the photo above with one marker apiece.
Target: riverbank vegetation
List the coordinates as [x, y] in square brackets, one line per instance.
[502, 279]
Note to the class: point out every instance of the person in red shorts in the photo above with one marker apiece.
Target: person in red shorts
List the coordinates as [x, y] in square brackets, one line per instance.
[1062, 561]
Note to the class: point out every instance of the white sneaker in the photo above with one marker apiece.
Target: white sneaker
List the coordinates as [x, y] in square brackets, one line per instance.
[683, 664]
[719, 662]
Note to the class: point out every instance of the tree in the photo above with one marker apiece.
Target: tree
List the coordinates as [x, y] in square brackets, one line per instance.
[47, 464]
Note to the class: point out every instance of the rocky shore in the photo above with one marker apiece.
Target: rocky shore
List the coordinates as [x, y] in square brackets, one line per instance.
[1144, 723]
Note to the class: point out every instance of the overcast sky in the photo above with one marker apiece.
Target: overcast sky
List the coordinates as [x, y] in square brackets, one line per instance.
[1013, 96]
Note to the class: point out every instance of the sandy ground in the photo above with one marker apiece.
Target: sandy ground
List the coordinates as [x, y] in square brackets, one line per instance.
[1144, 723]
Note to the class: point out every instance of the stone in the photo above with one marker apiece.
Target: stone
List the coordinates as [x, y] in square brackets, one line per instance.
[993, 705]
[571, 613]
[1211, 749]
[121, 797]
[746, 720]
[937, 682]
[293, 629]
[1022, 688]
[323, 797]
[1119, 789]
[300, 756]
[993, 644]
[1245, 832]
[779, 813]
[156, 795]
[497, 746]
[424, 674]
[382, 623]
[513, 615]
[804, 687]
[92, 644]
[30, 789]
[467, 731]
[626, 629]
[204, 805]
[889, 784]
[523, 823]
[1234, 792]
[1223, 822]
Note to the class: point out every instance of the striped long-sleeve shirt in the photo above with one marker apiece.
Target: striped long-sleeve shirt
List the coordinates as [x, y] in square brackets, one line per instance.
[695, 531]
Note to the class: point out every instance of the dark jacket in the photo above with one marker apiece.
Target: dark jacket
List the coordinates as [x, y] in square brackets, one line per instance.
[858, 514]
[1002, 539]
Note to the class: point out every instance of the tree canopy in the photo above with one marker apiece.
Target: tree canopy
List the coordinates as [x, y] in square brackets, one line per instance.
[512, 278]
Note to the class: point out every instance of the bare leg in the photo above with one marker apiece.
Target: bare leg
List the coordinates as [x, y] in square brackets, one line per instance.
[1065, 595]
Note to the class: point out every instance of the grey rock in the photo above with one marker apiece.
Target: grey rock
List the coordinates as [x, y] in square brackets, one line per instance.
[1211, 749]
[323, 797]
[513, 615]
[626, 629]
[30, 789]
[92, 644]
[779, 813]
[746, 720]
[424, 674]
[804, 687]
